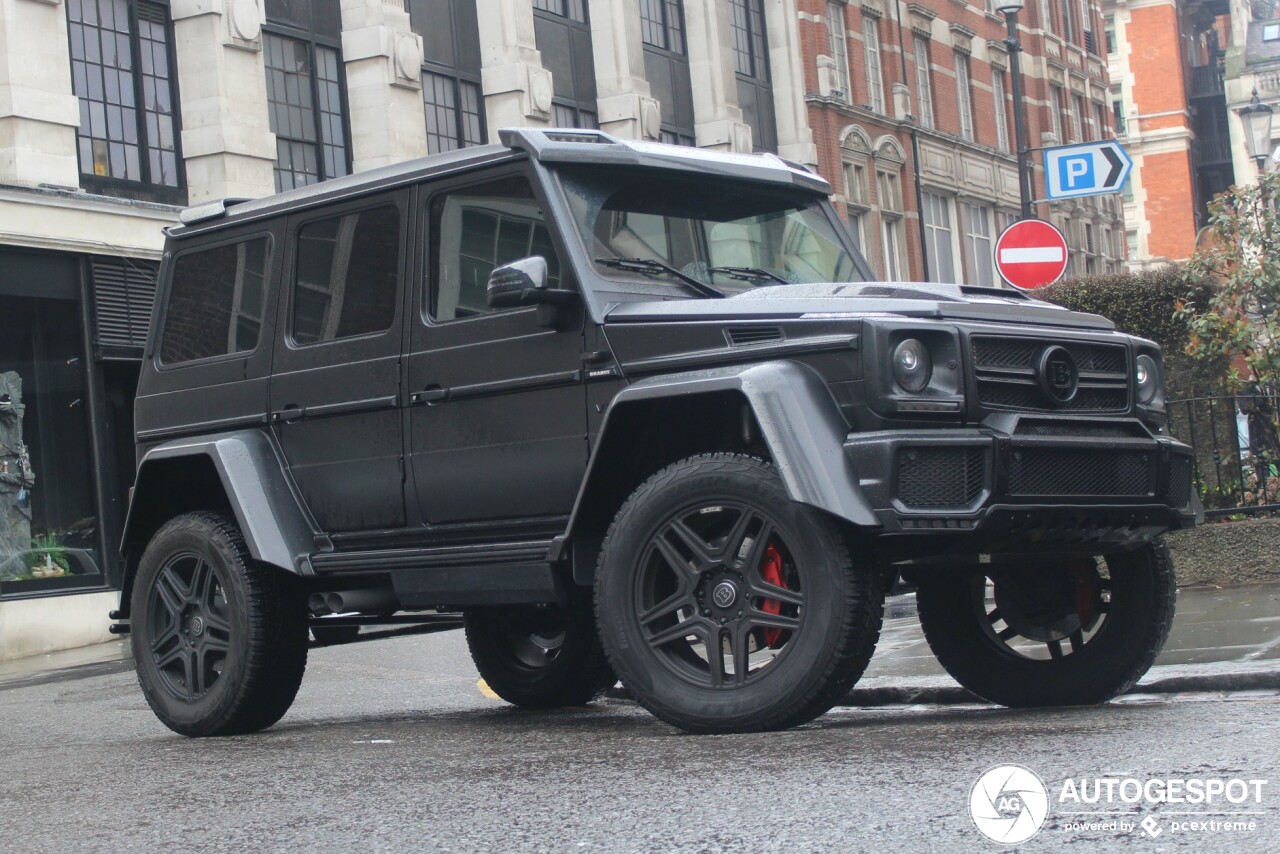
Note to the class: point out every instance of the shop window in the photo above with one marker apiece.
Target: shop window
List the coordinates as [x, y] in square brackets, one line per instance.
[216, 298]
[347, 276]
[122, 73]
[50, 535]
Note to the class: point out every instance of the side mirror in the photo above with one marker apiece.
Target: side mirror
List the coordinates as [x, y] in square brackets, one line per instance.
[524, 282]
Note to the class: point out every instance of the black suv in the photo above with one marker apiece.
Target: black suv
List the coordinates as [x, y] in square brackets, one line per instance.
[634, 411]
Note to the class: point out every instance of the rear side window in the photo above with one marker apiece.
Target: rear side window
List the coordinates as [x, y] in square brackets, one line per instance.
[215, 302]
[347, 275]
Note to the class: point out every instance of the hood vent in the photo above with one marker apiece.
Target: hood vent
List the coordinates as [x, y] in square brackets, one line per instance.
[742, 336]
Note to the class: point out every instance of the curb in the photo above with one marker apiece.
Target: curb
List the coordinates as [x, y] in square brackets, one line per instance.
[952, 695]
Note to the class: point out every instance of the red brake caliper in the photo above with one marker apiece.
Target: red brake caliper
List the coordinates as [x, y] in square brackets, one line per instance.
[771, 572]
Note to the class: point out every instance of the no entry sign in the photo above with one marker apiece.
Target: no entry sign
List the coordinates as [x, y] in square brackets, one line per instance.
[1030, 254]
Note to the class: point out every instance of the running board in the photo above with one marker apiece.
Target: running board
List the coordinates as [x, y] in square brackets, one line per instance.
[454, 587]
[384, 560]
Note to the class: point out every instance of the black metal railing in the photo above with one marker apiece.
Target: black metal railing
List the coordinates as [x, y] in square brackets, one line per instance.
[1206, 80]
[1235, 447]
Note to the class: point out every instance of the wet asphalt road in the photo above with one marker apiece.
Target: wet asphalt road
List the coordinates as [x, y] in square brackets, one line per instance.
[392, 747]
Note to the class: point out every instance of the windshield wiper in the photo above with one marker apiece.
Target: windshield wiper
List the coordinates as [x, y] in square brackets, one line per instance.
[650, 266]
[750, 274]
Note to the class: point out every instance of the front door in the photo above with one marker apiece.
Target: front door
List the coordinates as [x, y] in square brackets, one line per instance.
[335, 387]
[497, 401]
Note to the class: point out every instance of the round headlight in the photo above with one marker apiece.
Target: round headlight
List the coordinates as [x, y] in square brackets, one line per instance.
[912, 366]
[1148, 377]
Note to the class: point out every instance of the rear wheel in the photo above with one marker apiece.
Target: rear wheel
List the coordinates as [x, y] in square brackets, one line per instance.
[220, 641]
[540, 657]
[727, 607]
[1076, 631]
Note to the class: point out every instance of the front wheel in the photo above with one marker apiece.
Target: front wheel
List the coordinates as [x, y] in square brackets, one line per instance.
[727, 607]
[1075, 631]
[220, 641]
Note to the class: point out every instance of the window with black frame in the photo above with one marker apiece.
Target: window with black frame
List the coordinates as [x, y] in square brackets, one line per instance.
[666, 65]
[122, 71]
[451, 89]
[563, 34]
[751, 60]
[305, 91]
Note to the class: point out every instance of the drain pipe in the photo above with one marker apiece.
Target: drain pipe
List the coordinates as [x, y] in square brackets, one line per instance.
[915, 148]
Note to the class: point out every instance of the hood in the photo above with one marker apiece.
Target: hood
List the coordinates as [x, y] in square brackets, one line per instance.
[862, 299]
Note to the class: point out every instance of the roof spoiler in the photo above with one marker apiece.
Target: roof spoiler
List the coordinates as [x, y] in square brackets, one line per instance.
[209, 210]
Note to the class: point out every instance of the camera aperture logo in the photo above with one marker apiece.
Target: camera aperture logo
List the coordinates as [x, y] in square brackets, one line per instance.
[1009, 804]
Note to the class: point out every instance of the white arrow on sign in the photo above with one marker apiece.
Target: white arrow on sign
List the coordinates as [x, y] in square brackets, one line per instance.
[1087, 169]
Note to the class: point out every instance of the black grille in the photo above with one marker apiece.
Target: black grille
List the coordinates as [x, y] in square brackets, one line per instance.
[1177, 492]
[1072, 471]
[123, 294]
[741, 335]
[1069, 428]
[940, 477]
[1006, 373]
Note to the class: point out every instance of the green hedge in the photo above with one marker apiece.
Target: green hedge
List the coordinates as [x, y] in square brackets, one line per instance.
[1145, 304]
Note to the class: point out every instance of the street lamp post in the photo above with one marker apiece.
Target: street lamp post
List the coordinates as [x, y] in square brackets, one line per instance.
[1010, 10]
[1257, 118]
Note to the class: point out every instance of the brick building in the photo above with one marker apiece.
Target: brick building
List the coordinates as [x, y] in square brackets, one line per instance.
[912, 111]
[1167, 60]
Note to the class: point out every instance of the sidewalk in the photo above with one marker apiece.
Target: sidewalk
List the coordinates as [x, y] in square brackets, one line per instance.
[1223, 639]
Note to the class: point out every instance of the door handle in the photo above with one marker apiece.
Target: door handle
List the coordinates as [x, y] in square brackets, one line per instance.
[430, 394]
[291, 412]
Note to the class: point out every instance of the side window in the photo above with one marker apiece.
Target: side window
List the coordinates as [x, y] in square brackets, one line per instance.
[346, 275]
[474, 230]
[215, 302]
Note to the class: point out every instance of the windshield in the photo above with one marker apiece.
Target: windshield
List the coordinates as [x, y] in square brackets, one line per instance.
[665, 228]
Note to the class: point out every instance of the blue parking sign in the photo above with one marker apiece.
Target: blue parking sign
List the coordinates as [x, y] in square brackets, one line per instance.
[1085, 169]
[1075, 172]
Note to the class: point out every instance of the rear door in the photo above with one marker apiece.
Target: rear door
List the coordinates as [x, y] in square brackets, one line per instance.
[335, 389]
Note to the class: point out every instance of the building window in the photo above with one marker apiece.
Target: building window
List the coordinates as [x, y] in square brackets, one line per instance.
[305, 104]
[1076, 116]
[1086, 25]
[871, 61]
[667, 67]
[857, 202]
[964, 97]
[751, 62]
[122, 72]
[662, 24]
[839, 47]
[924, 82]
[889, 196]
[1100, 129]
[1090, 256]
[978, 244]
[1055, 112]
[1067, 28]
[938, 237]
[563, 34]
[1001, 108]
[1109, 31]
[451, 73]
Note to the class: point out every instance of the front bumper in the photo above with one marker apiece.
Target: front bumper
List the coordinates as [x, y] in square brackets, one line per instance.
[1037, 484]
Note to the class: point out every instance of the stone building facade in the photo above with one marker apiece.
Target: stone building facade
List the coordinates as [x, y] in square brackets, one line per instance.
[912, 109]
[116, 113]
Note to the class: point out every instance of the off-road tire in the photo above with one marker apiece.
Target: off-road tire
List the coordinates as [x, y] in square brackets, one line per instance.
[1143, 593]
[266, 622]
[515, 669]
[839, 620]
